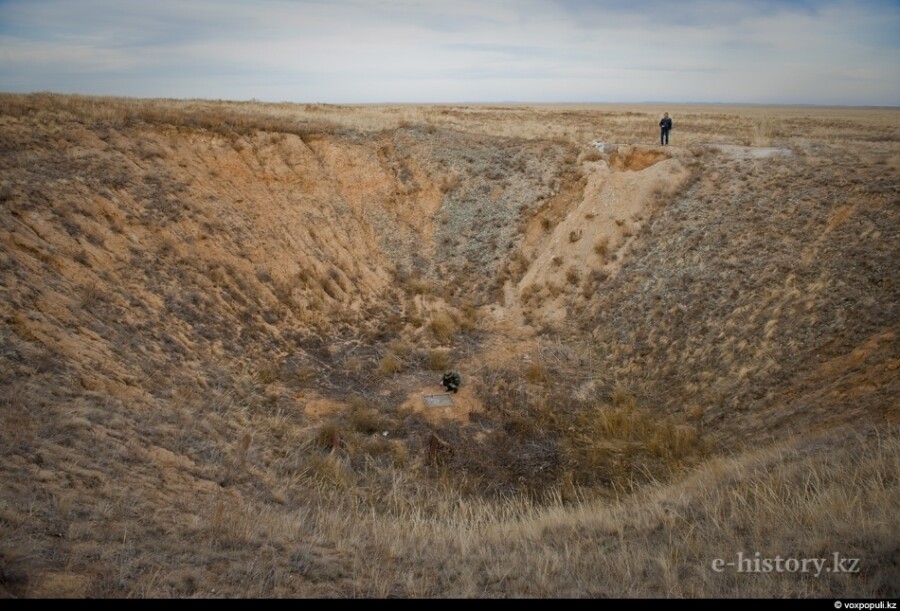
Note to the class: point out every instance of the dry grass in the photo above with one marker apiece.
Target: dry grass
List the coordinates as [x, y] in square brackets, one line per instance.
[438, 360]
[216, 315]
[443, 325]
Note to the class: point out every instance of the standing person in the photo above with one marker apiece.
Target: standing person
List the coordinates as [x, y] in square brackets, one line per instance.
[665, 124]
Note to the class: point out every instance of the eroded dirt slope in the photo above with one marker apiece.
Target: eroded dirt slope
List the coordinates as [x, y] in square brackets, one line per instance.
[146, 259]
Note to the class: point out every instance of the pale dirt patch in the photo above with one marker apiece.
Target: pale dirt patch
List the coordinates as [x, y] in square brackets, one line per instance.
[465, 403]
[58, 584]
[507, 341]
[177, 472]
[620, 195]
[316, 407]
[736, 151]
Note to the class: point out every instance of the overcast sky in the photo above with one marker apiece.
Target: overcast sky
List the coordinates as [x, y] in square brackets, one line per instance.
[844, 52]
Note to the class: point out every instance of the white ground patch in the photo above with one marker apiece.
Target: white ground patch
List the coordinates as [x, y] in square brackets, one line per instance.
[750, 152]
[620, 194]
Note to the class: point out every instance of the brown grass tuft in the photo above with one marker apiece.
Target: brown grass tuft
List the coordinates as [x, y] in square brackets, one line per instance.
[438, 360]
[443, 326]
[390, 364]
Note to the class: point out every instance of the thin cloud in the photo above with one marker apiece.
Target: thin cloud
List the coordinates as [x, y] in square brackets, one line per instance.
[790, 51]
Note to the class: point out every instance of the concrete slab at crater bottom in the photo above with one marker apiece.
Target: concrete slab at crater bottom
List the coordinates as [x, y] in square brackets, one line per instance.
[444, 400]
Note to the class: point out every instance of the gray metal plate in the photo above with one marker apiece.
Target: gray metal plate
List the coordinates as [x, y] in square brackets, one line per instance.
[438, 400]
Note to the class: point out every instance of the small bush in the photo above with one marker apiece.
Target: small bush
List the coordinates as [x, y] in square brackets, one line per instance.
[328, 470]
[419, 286]
[450, 182]
[327, 436]
[591, 155]
[554, 289]
[390, 364]
[83, 258]
[469, 317]
[537, 373]
[622, 398]
[267, 374]
[401, 348]
[354, 364]
[438, 360]
[443, 326]
[6, 192]
[365, 420]
[378, 446]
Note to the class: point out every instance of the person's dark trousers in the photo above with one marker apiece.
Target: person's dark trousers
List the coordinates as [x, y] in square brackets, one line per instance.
[664, 136]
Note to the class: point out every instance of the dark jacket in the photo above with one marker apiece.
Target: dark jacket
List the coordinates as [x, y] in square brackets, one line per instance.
[666, 123]
[451, 380]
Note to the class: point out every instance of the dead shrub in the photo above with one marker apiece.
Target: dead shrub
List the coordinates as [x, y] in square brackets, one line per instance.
[622, 398]
[590, 155]
[354, 365]
[331, 288]
[554, 289]
[537, 373]
[695, 411]
[625, 423]
[82, 257]
[419, 286]
[91, 295]
[401, 348]
[267, 374]
[682, 439]
[390, 364]
[468, 319]
[302, 375]
[438, 360]
[328, 469]
[443, 326]
[530, 292]
[378, 446]
[365, 420]
[150, 150]
[449, 183]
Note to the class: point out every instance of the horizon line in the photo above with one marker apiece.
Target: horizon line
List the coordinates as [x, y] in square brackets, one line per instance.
[461, 102]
